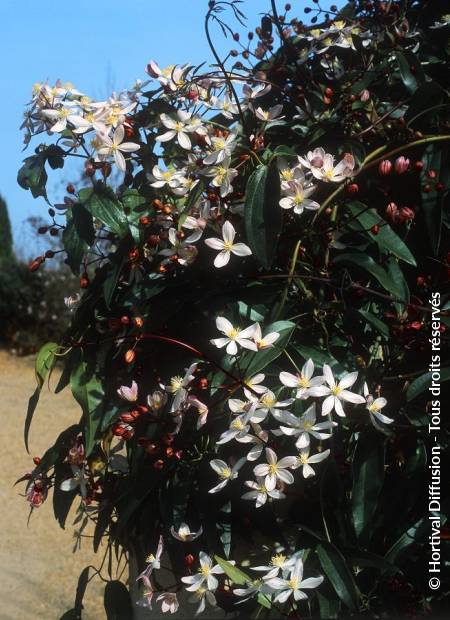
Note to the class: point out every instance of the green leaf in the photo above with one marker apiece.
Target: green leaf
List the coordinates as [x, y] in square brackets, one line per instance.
[263, 216]
[367, 559]
[117, 601]
[381, 327]
[32, 175]
[422, 383]
[401, 286]
[386, 239]
[74, 246]
[338, 573]
[363, 261]
[88, 392]
[102, 203]
[45, 362]
[240, 578]
[433, 201]
[408, 79]
[368, 478]
[414, 534]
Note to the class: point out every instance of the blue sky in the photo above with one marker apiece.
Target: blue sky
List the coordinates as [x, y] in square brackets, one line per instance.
[99, 46]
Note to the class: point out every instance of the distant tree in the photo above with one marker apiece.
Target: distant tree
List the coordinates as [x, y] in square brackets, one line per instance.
[6, 240]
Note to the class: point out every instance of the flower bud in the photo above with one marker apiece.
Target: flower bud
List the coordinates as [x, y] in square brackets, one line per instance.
[385, 167]
[84, 281]
[364, 95]
[138, 321]
[42, 230]
[353, 188]
[391, 212]
[189, 559]
[401, 164]
[421, 281]
[130, 356]
[49, 254]
[36, 263]
[89, 168]
[418, 165]
[375, 229]
[405, 214]
[36, 460]
[159, 464]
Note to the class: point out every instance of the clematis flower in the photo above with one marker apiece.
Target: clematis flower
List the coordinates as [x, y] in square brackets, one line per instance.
[251, 386]
[288, 173]
[268, 403]
[184, 533]
[304, 426]
[116, 147]
[259, 441]
[60, 116]
[159, 178]
[178, 387]
[156, 401]
[222, 148]
[153, 561]
[297, 197]
[336, 393]
[178, 129]
[202, 410]
[266, 341]
[260, 492]
[223, 176]
[78, 480]
[304, 460]
[147, 596]
[238, 428]
[234, 336]
[303, 382]
[313, 159]
[271, 114]
[278, 562]
[374, 406]
[128, 393]
[205, 575]
[202, 596]
[225, 472]
[329, 172]
[294, 585]
[227, 246]
[275, 469]
[169, 602]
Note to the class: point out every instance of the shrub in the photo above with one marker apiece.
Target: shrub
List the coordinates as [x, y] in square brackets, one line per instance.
[251, 350]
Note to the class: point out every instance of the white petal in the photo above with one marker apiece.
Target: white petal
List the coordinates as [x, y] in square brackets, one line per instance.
[222, 259]
[240, 249]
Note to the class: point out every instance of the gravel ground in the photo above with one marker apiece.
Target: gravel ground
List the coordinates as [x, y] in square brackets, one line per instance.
[38, 571]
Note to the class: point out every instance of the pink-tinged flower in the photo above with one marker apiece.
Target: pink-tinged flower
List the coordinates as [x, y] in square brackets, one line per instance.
[129, 393]
[260, 492]
[116, 147]
[304, 461]
[294, 585]
[313, 159]
[336, 393]
[153, 561]
[222, 148]
[297, 197]
[392, 212]
[223, 176]
[226, 246]
[329, 172]
[401, 165]
[202, 410]
[385, 167]
[36, 493]
[184, 533]
[275, 469]
[271, 114]
[234, 336]
[147, 595]
[156, 401]
[405, 214]
[79, 480]
[304, 381]
[364, 95]
[169, 602]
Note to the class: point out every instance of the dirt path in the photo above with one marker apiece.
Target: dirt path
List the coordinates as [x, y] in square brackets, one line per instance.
[38, 571]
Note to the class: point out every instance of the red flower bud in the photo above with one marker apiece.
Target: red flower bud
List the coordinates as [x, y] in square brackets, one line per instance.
[421, 281]
[189, 559]
[159, 464]
[405, 214]
[353, 188]
[375, 229]
[431, 174]
[36, 263]
[130, 356]
[152, 448]
[36, 460]
[418, 165]
[391, 212]
[385, 167]
[401, 165]
[84, 281]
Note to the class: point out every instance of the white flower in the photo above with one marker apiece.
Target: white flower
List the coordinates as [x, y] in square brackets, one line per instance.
[129, 393]
[297, 197]
[156, 401]
[226, 106]
[79, 480]
[222, 148]
[159, 177]
[197, 225]
[153, 561]
[271, 114]
[227, 245]
[250, 94]
[178, 129]
[116, 146]
[202, 410]
[288, 174]
[266, 341]
[304, 426]
[336, 392]
[374, 405]
[169, 602]
[268, 403]
[178, 387]
[259, 441]
[294, 585]
[234, 336]
[238, 428]
[302, 382]
[304, 460]
[225, 472]
[205, 573]
[313, 159]
[60, 117]
[222, 175]
[275, 469]
[329, 172]
[184, 533]
[278, 562]
[252, 385]
[202, 595]
[260, 492]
